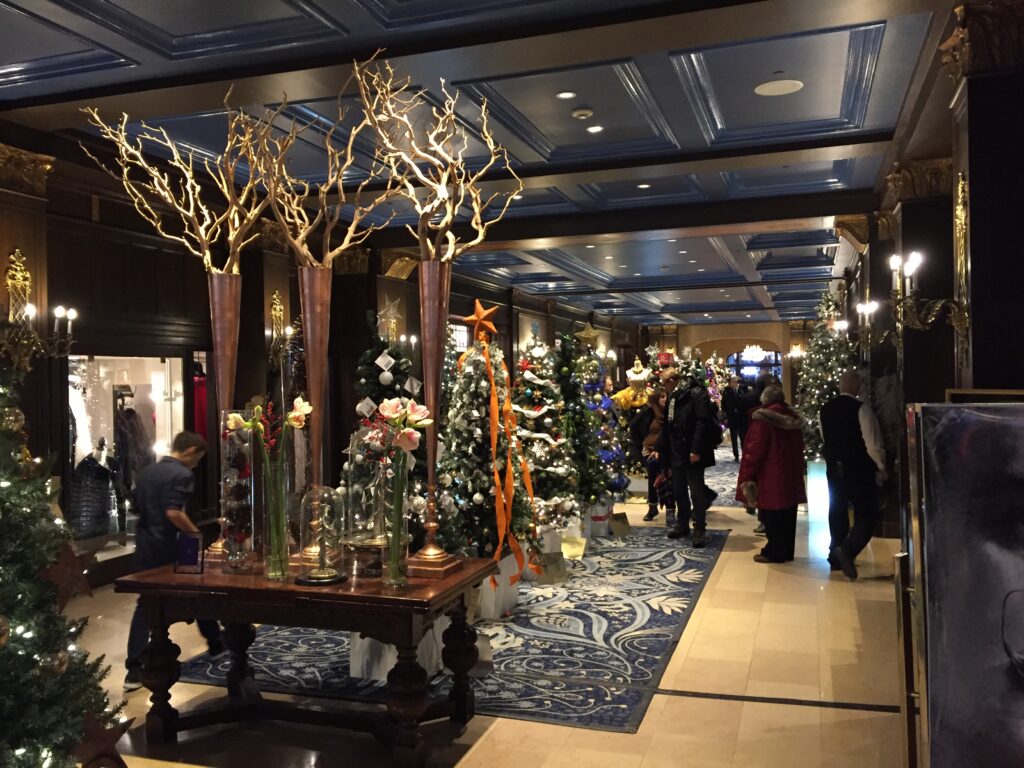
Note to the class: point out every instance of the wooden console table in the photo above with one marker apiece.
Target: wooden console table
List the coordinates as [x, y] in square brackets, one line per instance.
[400, 617]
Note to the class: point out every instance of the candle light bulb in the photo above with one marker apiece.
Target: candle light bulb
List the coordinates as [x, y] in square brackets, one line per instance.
[59, 311]
[72, 314]
[289, 331]
[30, 311]
[913, 262]
[895, 262]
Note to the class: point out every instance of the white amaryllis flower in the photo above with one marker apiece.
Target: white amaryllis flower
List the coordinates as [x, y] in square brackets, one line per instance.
[392, 410]
[407, 440]
[236, 421]
[296, 419]
[419, 415]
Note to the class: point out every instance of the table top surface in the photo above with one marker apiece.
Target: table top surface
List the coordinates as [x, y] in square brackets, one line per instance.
[419, 594]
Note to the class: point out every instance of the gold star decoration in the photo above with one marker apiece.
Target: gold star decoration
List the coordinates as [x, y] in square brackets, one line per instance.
[67, 573]
[481, 317]
[588, 335]
[98, 748]
[387, 318]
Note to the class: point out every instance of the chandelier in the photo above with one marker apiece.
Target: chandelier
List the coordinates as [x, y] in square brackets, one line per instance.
[752, 353]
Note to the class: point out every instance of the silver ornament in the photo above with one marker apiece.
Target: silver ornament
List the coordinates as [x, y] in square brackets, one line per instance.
[386, 378]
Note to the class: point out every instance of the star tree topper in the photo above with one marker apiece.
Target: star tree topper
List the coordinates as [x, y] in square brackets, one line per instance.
[588, 335]
[481, 317]
[387, 318]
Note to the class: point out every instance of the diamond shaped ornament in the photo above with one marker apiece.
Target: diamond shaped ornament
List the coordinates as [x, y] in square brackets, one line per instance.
[366, 407]
[385, 361]
[413, 386]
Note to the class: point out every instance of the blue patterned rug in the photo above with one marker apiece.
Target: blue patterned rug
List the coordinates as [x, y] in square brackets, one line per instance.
[588, 653]
[722, 477]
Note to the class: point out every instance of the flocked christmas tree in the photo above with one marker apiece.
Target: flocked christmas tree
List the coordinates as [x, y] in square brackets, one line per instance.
[579, 424]
[828, 354]
[476, 473]
[538, 406]
[53, 710]
[592, 373]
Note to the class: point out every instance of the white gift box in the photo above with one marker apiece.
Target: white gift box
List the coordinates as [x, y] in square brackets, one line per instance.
[495, 601]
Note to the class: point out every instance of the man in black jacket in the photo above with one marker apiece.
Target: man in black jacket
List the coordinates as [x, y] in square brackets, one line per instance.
[732, 408]
[689, 441]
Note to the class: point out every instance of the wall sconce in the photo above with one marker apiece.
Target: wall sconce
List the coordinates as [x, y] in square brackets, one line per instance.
[909, 311]
[840, 326]
[865, 311]
[796, 352]
[610, 355]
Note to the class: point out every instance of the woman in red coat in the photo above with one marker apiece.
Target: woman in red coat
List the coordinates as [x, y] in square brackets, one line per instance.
[772, 473]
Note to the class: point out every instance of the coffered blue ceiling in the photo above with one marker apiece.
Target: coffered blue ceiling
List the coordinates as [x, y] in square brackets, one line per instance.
[671, 106]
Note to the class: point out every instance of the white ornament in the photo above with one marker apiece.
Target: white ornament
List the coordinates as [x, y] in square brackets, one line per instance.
[478, 498]
[548, 422]
[385, 378]
[446, 480]
[567, 505]
[360, 458]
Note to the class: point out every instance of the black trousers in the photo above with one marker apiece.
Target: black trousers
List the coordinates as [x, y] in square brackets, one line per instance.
[691, 498]
[862, 493]
[653, 467]
[780, 529]
[735, 433]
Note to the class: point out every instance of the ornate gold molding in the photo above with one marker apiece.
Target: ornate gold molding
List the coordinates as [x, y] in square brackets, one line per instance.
[886, 223]
[354, 261]
[920, 178]
[989, 36]
[961, 290]
[272, 236]
[24, 172]
[854, 229]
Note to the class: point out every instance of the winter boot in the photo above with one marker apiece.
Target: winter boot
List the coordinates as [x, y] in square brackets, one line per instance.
[670, 518]
[680, 530]
[700, 535]
[652, 513]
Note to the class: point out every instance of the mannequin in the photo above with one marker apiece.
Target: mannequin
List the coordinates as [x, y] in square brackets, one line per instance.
[97, 494]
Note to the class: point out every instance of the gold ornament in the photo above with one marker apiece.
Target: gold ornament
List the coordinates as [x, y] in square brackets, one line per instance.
[12, 419]
[588, 335]
[5, 631]
[56, 663]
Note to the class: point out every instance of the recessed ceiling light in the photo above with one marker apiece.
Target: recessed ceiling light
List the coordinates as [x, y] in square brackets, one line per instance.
[582, 113]
[517, 197]
[607, 258]
[682, 251]
[591, 246]
[748, 315]
[637, 274]
[643, 186]
[778, 87]
[693, 261]
[701, 269]
[721, 290]
[706, 315]
[595, 129]
[672, 240]
[622, 266]
[564, 95]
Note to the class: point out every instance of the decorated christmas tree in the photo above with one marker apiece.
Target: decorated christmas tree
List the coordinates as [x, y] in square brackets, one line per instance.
[53, 710]
[828, 354]
[449, 375]
[383, 371]
[717, 376]
[537, 404]
[484, 504]
[592, 372]
[579, 425]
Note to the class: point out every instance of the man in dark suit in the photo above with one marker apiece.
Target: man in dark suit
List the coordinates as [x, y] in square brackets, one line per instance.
[855, 465]
[732, 401]
[688, 440]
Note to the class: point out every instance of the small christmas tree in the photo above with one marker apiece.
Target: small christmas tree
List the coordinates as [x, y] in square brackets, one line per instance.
[53, 710]
[592, 373]
[579, 424]
[717, 376]
[383, 371]
[537, 403]
[471, 475]
[829, 353]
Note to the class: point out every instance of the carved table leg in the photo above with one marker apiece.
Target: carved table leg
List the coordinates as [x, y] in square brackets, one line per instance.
[460, 654]
[241, 685]
[407, 702]
[160, 670]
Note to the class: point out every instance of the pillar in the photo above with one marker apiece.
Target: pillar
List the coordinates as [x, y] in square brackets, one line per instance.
[985, 56]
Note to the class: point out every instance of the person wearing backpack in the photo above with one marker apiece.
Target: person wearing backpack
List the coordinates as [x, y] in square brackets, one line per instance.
[688, 444]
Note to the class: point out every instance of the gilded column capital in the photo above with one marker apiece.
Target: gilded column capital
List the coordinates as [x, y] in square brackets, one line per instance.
[272, 235]
[854, 230]
[354, 261]
[24, 172]
[918, 178]
[989, 36]
[886, 223]
[400, 264]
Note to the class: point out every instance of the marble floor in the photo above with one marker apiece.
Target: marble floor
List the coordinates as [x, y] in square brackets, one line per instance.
[767, 650]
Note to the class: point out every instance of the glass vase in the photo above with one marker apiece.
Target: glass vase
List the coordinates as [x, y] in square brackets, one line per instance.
[275, 516]
[236, 495]
[318, 540]
[397, 523]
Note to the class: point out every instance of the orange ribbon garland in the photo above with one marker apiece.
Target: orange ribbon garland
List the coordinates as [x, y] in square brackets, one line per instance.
[503, 417]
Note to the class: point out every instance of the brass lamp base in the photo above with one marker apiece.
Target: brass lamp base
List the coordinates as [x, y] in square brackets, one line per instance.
[432, 564]
[321, 577]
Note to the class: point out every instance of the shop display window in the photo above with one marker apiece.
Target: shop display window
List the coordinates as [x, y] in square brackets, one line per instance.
[124, 413]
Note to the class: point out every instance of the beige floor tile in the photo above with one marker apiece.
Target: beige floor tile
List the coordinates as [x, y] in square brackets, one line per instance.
[711, 676]
[786, 637]
[591, 758]
[674, 751]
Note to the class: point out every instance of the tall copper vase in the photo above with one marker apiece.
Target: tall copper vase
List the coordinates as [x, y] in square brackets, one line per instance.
[435, 279]
[225, 302]
[315, 295]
